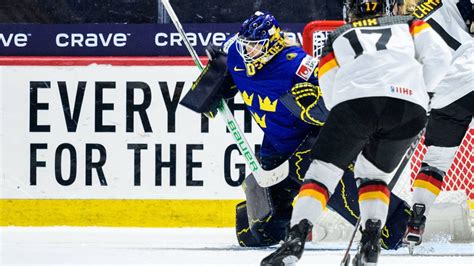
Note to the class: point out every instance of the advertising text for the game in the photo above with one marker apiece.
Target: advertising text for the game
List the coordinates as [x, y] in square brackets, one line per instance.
[115, 132]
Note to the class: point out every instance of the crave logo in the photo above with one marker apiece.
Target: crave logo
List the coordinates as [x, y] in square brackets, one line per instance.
[401, 90]
[91, 39]
[14, 39]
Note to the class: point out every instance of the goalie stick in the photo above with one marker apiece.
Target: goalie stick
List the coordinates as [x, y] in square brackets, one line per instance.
[406, 159]
[264, 178]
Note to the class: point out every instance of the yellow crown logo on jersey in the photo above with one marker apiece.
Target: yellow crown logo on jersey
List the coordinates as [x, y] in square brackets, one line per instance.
[260, 120]
[267, 105]
[247, 99]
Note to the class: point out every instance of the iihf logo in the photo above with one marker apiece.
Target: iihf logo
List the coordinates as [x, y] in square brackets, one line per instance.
[401, 90]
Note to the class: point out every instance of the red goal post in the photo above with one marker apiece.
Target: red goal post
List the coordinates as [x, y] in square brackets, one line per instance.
[315, 33]
[459, 177]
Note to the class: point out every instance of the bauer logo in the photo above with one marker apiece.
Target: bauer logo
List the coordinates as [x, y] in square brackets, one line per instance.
[92, 39]
[14, 39]
[401, 90]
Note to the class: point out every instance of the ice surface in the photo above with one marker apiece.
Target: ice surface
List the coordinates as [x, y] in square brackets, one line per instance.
[183, 246]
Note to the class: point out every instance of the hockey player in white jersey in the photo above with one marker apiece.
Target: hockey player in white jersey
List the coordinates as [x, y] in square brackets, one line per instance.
[452, 105]
[374, 73]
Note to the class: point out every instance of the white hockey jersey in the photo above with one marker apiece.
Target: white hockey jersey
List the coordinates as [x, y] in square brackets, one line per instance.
[398, 57]
[445, 18]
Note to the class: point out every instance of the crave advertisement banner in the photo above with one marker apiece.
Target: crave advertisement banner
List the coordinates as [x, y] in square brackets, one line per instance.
[116, 39]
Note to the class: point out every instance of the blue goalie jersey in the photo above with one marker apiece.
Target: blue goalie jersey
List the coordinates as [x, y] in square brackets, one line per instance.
[262, 92]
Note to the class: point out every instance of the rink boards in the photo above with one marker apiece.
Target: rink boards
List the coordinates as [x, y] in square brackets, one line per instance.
[104, 142]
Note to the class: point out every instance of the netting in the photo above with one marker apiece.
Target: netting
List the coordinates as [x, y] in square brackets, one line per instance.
[315, 34]
[458, 178]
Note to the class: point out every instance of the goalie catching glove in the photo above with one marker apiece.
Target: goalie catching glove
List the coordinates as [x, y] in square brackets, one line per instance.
[213, 84]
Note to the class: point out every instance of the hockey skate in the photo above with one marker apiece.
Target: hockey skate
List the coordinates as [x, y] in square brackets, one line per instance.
[369, 247]
[415, 227]
[292, 249]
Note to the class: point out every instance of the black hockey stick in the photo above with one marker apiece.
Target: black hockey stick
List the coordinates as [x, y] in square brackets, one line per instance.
[406, 159]
[347, 255]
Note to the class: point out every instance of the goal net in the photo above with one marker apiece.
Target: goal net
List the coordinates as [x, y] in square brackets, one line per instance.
[452, 214]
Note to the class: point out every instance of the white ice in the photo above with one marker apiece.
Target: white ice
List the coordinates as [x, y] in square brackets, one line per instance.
[183, 246]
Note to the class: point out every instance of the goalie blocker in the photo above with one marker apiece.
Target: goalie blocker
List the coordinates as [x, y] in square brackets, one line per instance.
[263, 219]
[214, 83]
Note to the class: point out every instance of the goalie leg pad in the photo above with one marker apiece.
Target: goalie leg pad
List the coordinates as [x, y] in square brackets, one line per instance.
[397, 219]
[259, 202]
[301, 158]
[345, 202]
[268, 213]
[245, 237]
[260, 234]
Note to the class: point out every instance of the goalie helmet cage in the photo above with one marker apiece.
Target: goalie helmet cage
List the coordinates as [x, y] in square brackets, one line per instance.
[453, 214]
